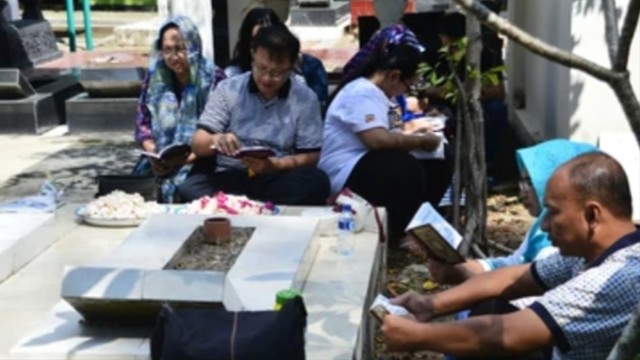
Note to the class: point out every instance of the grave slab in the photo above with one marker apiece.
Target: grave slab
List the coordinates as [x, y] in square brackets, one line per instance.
[30, 42]
[25, 236]
[112, 83]
[33, 115]
[24, 109]
[338, 323]
[278, 256]
[14, 85]
[87, 114]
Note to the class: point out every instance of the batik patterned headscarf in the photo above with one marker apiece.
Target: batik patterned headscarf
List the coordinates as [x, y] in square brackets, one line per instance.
[381, 42]
[174, 117]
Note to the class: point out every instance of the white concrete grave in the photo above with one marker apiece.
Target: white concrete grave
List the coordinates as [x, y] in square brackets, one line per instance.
[277, 256]
[23, 236]
[283, 252]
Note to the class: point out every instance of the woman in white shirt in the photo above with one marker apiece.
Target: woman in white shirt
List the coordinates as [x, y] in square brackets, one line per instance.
[359, 149]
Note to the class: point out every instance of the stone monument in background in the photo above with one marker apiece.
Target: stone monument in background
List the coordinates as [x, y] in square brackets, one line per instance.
[28, 41]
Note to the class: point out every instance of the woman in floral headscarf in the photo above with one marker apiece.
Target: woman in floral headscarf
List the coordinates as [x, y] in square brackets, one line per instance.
[173, 96]
[361, 149]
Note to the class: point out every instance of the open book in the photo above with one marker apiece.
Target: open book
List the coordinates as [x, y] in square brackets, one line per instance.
[436, 235]
[260, 152]
[171, 151]
[438, 153]
[382, 306]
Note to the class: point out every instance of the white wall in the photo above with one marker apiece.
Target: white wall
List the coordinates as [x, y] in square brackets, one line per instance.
[569, 103]
[598, 109]
[199, 11]
[541, 82]
[559, 101]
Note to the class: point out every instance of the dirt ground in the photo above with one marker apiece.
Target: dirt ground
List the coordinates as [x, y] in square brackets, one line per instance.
[508, 222]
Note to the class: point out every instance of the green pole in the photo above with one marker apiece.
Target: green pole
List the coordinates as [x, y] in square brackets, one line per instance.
[88, 32]
[71, 26]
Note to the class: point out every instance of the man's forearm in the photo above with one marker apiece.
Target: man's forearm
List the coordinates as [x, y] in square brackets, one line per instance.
[202, 142]
[477, 336]
[508, 283]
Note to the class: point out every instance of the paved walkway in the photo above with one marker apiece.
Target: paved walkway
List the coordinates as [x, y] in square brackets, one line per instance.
[72, 162]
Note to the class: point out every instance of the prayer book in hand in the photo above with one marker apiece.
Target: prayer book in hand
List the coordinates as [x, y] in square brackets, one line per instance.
[170, 152]
[260, 152]
[382, 306]
[438, 238]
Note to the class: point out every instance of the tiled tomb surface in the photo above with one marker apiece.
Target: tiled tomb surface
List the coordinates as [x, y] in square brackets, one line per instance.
[337, 290]
[131, 283]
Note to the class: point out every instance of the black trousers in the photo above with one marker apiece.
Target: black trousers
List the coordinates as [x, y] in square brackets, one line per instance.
[300, 186]
[399, 182]
[498, 307]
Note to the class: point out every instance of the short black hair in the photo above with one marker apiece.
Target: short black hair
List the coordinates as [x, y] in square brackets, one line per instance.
[279, 42]
[242, 51]
[598, 176]
[403, 57]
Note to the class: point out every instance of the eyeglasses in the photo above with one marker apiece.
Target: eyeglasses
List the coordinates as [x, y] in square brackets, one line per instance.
[274, 74]
[168, 52]
[525, 184]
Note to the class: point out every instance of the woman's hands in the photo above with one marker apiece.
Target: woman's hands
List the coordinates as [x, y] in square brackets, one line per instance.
[167, 167]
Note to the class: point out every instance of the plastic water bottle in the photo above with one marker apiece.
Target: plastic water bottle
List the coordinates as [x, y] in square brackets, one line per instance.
[346, 227]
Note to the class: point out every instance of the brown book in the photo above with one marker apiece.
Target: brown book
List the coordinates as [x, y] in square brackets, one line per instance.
[436, 246]
[171, 151]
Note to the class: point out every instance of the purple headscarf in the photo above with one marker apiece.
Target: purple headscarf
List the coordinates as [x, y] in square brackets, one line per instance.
[379, 43]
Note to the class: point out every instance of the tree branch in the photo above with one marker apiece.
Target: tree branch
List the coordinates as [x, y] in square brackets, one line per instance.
[628, 30]
[611, 29]
[538, 46]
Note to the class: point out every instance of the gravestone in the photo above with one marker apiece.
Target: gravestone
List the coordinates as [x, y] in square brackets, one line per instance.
[389, 11]
[13, 85]
[33, 101]
[108, 102]
[22, 110]
[29, 41]
[130, 284]
[315, 13]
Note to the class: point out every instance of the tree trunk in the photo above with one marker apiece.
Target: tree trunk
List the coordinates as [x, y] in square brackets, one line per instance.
[473, 142]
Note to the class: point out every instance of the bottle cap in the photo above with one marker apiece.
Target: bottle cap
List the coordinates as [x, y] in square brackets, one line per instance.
[346, 207]
[284, 296]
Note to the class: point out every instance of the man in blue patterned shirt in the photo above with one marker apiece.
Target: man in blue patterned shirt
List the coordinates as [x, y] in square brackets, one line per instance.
[588, 291]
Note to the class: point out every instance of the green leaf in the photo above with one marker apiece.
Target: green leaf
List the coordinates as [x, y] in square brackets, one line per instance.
[493, 79]
[435, 79]
[497, 69]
